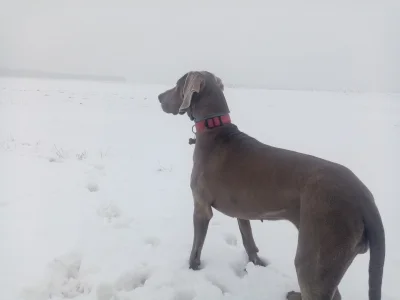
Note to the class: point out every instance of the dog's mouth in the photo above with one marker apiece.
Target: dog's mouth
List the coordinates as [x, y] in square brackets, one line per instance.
[174, 113]
[169, 110]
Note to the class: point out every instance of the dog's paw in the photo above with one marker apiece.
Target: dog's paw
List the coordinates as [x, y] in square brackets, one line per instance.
[194, 264]
[256, 260]
[293, 296]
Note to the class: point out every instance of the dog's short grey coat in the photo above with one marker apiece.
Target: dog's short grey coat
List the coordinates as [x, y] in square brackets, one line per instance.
[243, 178]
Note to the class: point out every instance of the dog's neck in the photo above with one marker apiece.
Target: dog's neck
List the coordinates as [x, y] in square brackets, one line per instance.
[209, 112]
[211, 122]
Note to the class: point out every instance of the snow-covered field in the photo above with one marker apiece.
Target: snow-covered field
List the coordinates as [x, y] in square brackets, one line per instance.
[95, 200]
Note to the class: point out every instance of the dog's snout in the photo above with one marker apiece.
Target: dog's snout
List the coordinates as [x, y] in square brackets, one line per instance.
[163, 98]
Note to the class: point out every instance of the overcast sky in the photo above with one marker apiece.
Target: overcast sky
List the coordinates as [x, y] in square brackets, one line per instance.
[253, 43]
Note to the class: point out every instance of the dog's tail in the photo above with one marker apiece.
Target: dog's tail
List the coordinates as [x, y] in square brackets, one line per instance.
[376, 237]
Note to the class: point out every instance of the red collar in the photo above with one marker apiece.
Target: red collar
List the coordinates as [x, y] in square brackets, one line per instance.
[212, 122]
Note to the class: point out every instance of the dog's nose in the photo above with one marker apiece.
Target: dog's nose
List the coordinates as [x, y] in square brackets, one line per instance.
[160, 98]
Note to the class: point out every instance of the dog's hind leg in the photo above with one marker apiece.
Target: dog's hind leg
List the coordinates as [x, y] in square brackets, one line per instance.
[326, 248]
[319, 271]
[202, 215]
[249, 243]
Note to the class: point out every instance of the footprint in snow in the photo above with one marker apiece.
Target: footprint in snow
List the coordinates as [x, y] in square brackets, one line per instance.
[92, 187]
[53, 159]
[153, 241]
[109, 211]
[239, 268]
[98, 167]
[230, 239]
[184, 294]
[63, 280]
[131, 280]
[214, 281]
[105, 291]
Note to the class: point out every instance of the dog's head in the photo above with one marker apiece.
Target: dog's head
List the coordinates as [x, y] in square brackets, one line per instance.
[190, 87]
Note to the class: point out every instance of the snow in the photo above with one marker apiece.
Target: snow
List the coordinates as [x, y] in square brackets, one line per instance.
[95, 199]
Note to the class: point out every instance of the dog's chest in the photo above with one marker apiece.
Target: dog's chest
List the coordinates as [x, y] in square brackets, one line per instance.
[231, 198]
[236, 191]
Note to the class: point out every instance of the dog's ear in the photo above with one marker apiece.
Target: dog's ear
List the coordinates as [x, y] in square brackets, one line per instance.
[219, 82]
[194, 83]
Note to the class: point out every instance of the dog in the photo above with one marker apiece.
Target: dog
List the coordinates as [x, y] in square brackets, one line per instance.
[234, 173]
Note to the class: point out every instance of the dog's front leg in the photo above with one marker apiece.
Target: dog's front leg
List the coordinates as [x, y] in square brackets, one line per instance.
[201, 218]
[249, 243]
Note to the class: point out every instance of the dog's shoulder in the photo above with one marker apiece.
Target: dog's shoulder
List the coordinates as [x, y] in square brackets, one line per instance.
[233, 137]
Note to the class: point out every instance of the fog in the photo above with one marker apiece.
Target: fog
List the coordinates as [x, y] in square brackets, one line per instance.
[269, 44]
